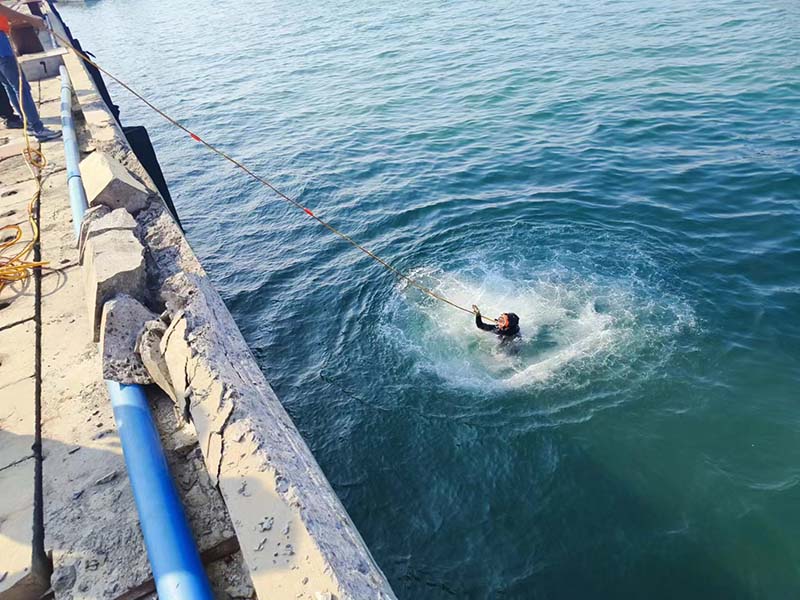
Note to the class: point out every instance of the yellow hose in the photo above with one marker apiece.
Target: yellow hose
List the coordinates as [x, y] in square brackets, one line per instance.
[17, 267]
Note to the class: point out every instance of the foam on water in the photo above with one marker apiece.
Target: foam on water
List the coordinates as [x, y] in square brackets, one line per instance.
[571, 323]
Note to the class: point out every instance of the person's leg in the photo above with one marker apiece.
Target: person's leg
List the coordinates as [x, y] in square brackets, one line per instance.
[10, 90]
[6, 110]
[7, 114]
[14, 121]
[9, 74]
[9, 78]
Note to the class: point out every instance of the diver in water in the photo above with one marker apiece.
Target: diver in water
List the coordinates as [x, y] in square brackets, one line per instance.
[507, 325]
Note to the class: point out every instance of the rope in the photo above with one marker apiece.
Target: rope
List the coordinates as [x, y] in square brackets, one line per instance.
[386, 265]
[17, 267]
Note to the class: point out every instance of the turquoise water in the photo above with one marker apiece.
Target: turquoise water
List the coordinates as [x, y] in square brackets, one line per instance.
[623, 174]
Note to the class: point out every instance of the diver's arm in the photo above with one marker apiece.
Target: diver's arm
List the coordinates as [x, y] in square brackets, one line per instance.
[481, 325]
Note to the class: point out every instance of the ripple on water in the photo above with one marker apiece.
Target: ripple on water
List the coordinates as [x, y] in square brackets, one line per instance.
[576, 319]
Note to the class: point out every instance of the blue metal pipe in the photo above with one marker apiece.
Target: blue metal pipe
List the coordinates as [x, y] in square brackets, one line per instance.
[176, 566]
[50, 31]
[77, 193]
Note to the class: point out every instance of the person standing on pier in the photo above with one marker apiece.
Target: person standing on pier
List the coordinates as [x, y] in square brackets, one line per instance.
[21, 99]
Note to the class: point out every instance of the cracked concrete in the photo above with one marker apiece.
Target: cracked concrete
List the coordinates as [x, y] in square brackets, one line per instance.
[109, 183]
[264, 468]
[124, 319]
[113, 263]
[148, 346]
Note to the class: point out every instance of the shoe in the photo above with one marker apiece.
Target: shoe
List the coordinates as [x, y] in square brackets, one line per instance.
[45, 134]
[13, 122]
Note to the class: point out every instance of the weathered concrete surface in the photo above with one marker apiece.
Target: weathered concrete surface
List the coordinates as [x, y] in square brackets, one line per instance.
[17, 579]
[109, 183]
[16, 410]
[100, 219]
[16, 353]
[295, 535]
[123, 321]
[115, 220]
[113, 263]
[152, 355]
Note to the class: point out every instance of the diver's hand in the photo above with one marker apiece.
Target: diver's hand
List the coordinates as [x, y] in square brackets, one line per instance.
[476, 310]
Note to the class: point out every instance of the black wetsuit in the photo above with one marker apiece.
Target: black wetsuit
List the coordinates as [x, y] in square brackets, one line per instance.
[508, 332]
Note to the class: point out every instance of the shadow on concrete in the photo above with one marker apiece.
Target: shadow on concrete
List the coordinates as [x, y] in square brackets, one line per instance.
[52, 281]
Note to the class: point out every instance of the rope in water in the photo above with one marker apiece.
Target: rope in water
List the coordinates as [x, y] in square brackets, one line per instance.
[17, 267]
[267, 184]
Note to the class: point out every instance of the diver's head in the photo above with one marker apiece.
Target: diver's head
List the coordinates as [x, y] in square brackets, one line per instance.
[508, 322]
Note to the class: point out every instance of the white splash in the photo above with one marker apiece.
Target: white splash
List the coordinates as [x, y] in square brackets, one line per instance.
[567, 324]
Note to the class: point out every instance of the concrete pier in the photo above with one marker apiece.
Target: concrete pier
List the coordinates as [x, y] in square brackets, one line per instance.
[264, 517]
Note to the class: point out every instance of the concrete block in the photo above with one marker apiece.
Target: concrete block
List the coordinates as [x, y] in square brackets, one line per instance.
[113, 264]
[92, 214]
[148, 346]
[100, 219]
[117, 219]
[108, 182]
[124, 319]
[42, 65]
[176, 355]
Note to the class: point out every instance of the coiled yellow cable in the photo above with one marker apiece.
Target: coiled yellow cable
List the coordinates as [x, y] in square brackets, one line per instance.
[17, 267]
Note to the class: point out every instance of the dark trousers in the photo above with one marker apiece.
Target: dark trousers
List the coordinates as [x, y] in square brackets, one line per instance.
[6, 110]
[9, 78]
